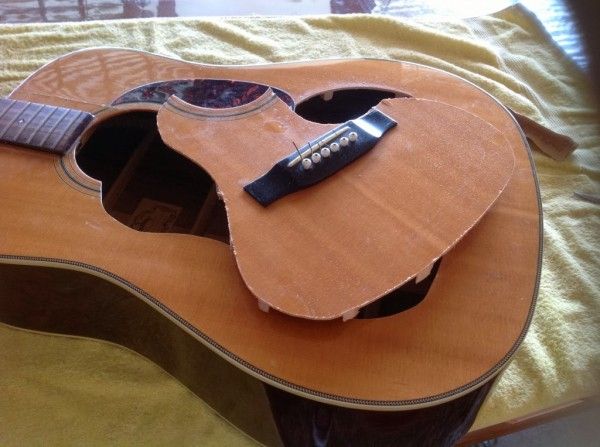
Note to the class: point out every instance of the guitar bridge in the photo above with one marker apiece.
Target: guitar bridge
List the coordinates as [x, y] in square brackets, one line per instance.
[321, 158]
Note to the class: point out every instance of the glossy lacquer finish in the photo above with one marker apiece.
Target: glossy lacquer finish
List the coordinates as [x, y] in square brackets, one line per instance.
[465, 330]
[340, 244]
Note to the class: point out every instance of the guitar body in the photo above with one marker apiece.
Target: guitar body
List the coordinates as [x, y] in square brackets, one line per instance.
[332, 248]
[465, 330]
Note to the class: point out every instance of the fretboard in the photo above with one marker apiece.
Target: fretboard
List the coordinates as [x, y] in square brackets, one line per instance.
[49, 128]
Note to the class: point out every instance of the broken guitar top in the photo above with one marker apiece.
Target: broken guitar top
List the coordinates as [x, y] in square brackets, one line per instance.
[322, 228]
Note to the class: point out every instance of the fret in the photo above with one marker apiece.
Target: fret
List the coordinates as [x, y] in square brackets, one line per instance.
[6, 105]
[54, 122]
[45, 127]
[49, 111]
[63, 131]
[22, 122]
[14, 112]
[78, 121]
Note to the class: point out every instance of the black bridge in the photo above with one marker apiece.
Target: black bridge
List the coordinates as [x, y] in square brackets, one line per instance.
[322, 157]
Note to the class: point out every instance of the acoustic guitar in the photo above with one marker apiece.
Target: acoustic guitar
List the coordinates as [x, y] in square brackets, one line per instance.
[139, 150]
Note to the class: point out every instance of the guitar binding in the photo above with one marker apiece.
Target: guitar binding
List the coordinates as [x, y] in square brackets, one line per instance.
[127, 155]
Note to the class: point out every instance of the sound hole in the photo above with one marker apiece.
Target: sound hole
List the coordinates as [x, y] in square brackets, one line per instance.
[149, 187]
[342, 105]
[146, 185]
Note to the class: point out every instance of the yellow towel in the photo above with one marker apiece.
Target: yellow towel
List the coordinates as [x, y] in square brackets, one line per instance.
[61, 390]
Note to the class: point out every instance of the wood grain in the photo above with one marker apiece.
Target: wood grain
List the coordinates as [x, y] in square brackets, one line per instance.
[462, 334]
[371, 227]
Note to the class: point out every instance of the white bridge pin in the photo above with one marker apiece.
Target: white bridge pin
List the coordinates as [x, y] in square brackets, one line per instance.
[316, 157]
[353, 136]
[424, 274]
[264, 306]
[325, 152]
[334, 147]
[344, 141]
[306, 163]
[349, 315]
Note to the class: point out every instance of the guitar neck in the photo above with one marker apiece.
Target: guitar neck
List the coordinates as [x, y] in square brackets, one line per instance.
[49, 128]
